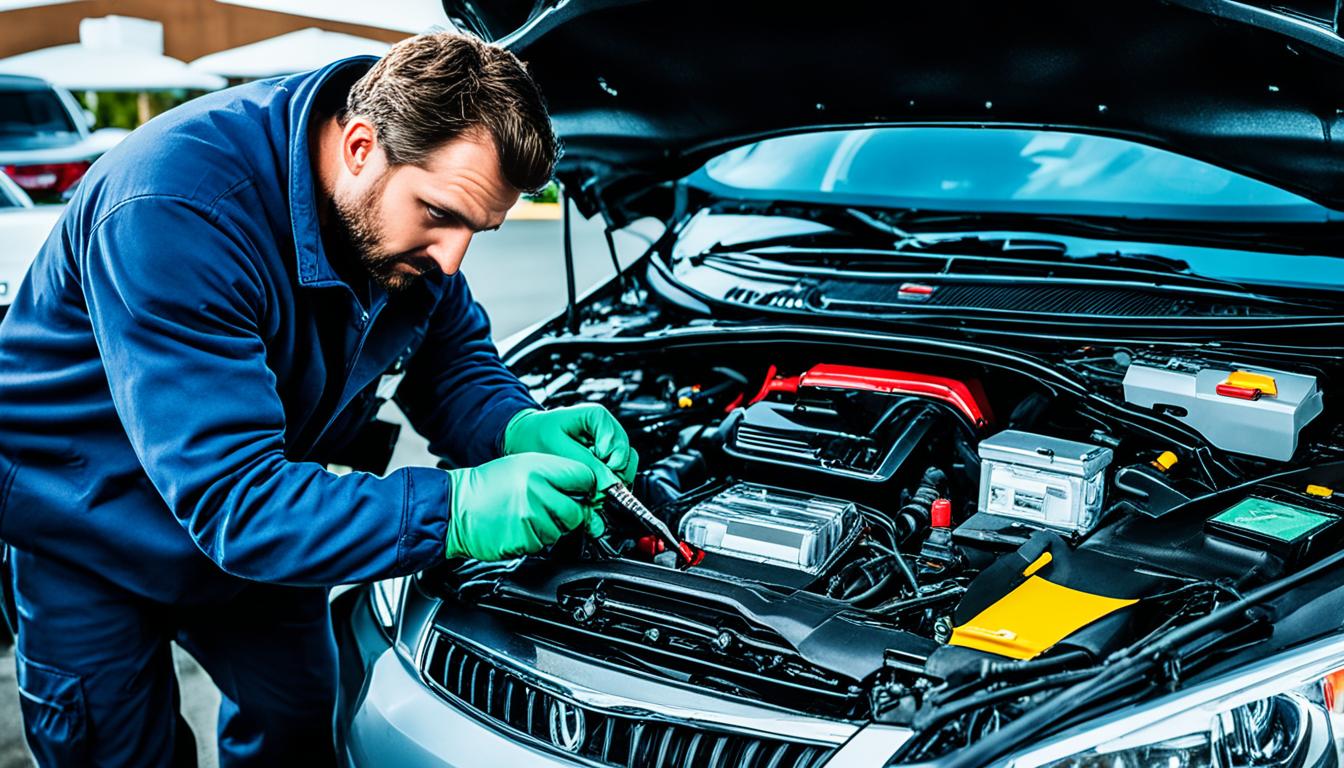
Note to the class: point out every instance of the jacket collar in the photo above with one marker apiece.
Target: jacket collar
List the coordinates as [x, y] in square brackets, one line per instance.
[313, 267]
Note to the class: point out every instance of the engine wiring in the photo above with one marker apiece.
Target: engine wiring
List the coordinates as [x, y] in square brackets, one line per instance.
[750, 620]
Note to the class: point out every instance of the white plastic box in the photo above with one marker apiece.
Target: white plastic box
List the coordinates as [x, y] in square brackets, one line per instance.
[770, 525]
[1265, 425]
[1042, 480]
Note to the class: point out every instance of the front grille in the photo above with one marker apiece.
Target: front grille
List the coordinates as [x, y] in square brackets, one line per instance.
[472, 680]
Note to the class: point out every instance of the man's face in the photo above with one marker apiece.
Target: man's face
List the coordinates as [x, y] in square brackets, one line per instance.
[406, 220]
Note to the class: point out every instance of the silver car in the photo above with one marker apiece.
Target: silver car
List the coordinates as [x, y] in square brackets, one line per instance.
[985, 358]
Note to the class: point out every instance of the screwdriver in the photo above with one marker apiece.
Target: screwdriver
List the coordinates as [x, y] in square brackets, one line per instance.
[626, 500]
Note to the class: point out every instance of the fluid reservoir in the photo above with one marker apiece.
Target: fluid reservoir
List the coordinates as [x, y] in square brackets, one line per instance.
[1245, 409]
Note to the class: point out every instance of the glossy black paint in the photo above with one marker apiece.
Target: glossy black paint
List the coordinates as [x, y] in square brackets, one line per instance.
[643, 92]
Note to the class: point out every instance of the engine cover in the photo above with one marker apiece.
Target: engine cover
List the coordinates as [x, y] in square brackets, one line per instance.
[862, 436]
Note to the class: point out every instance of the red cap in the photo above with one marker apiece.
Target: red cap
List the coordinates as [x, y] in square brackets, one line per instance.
[650, 545]
[687, 552]
[941, 513]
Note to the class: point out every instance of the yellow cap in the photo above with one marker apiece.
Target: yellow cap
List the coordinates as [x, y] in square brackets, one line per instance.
[684, 402]
[1320, 490]
[1248, 380]
[1165, 460]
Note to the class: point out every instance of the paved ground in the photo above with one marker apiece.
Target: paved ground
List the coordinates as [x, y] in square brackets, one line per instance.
[518, 274]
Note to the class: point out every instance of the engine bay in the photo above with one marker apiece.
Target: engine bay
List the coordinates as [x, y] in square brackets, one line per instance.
[916, 540]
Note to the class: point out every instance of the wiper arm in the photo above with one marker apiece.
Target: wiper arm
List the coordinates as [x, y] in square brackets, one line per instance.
[902, 238]
[1019, 252]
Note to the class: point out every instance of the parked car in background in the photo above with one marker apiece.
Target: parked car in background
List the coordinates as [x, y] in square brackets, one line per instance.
[23, 228]
[46, 141]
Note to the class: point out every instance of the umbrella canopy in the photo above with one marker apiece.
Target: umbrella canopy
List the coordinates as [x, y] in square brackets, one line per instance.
[114, 53]
[286, 54]
[79, 68]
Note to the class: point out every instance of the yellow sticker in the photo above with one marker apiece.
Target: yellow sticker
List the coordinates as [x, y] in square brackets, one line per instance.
[1032, 618]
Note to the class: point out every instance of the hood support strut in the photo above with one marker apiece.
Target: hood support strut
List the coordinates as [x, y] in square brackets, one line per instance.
[571, 291]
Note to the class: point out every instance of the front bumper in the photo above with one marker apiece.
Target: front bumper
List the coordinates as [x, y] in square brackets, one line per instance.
[389, 715]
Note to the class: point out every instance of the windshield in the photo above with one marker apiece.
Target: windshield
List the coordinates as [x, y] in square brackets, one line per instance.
[25, 114]
[997, 170]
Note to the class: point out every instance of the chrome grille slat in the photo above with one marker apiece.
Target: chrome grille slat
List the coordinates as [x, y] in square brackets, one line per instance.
[499, 695]
[666, 748]
[718, 755]
[692, 747]
[531, 710]
[634, 756]
[607, 729]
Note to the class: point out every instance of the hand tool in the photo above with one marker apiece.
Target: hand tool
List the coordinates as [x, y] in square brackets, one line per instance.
[623, 498]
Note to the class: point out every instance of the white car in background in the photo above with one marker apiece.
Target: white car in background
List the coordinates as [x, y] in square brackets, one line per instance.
[46, 143]
[23, 229]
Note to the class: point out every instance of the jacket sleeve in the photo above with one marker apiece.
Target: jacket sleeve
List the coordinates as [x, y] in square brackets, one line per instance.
[177, 304]
[457, 393]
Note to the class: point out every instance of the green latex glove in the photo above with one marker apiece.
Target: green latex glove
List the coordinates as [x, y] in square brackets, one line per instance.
[519, 504]
[586, 433]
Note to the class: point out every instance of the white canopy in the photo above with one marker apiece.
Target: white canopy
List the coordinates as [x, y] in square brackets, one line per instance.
[14, 5]
[115, 53]
[80, 69]
[286, 54]
[401, 15]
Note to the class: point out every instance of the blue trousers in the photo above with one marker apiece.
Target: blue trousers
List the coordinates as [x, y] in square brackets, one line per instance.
[96, 679]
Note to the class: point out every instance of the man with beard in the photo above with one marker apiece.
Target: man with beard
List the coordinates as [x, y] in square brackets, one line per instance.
[202, 330]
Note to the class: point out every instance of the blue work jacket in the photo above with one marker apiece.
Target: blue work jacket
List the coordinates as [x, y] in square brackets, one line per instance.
[182, 349]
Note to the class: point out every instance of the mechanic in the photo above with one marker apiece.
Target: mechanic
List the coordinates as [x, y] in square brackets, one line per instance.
[204, 326]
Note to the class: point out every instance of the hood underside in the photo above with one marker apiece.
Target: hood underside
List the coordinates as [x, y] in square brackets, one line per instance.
[644, 92]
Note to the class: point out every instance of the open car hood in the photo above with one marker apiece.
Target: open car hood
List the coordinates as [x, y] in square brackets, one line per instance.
[643, 92]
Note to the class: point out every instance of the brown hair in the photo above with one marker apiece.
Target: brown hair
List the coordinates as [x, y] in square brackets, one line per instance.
[431, 89]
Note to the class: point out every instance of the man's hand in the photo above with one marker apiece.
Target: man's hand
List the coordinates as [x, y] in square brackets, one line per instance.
[519, 504]
[585, 433]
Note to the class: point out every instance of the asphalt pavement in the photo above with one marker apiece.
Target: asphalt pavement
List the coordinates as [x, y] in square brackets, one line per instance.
[517, 273]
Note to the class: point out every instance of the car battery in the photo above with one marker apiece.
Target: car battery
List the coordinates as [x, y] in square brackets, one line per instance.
[772, 526]
[1251, 410]
[1042, 480]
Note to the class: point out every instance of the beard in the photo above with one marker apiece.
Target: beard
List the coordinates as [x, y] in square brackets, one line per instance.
[359, 234]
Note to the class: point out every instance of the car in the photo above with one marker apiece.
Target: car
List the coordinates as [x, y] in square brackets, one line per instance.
[23, 229]
[46, 143]
[986, 358]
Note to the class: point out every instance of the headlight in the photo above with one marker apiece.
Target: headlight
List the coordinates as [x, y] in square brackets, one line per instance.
[1276, 712]
[385, 599]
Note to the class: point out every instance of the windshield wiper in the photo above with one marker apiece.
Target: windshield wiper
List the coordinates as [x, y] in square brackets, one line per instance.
[1287, 237]
[940, 256]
